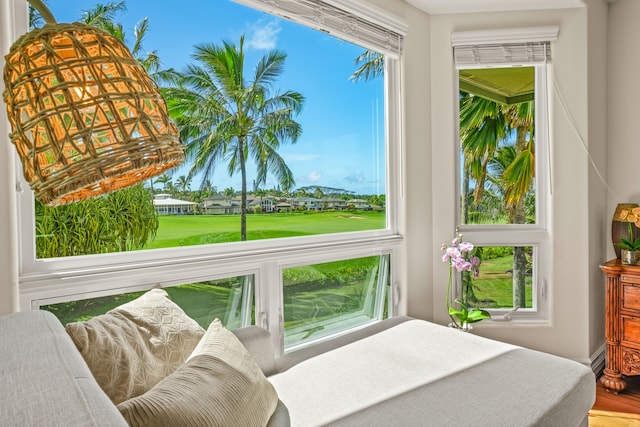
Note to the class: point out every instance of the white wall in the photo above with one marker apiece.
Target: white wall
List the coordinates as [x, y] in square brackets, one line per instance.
[599, 218]
[624, 92]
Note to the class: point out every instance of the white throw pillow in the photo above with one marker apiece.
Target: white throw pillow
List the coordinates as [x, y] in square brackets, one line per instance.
[219, 385]
[134, 346]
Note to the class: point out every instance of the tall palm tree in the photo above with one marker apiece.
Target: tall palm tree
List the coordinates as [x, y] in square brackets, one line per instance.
[483, 124]
[223, 115]
[183, 183]
[163, 179]
[103, 16]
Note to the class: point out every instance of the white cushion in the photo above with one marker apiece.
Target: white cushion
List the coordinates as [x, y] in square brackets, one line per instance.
[132, 347]
[219, 385]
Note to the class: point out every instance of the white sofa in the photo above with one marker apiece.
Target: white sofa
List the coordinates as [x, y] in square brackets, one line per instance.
[400, 371]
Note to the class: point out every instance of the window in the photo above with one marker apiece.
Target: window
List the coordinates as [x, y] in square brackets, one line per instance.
[323, 299]
[345, 160]
[247, 277]
[230, 300]
[503, 166]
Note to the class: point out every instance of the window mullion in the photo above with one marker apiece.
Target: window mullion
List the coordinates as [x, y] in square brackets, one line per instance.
[269, 303]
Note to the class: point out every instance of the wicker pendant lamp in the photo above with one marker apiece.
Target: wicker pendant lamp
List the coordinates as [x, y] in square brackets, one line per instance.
[86, 118]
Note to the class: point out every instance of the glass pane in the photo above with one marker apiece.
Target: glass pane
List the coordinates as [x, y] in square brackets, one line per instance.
[497, 140]
[323, 299]
[505, 279]
[230, 300]
[331, 180]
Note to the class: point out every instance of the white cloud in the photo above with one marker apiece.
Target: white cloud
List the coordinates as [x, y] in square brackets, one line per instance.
[355, 178]
[263, 35]
[313, 177]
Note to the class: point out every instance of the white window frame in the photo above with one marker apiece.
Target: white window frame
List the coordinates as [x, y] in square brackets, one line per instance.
[48, 281]
[534, 235]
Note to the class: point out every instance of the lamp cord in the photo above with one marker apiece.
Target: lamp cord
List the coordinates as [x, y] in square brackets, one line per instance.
[43, 10]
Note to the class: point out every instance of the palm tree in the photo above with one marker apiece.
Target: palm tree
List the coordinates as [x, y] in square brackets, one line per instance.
[483, 124]
[183, 183]
[103, 16]
[224, 116]
[171, 189]
[370, 65]
[164, 179]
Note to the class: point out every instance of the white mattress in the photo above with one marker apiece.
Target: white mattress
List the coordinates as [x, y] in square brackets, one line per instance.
[335, 384]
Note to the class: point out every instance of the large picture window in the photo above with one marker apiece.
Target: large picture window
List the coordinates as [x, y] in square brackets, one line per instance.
[321, 185]
[323, 171]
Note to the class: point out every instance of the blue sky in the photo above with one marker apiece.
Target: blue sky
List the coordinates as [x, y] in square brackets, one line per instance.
[342, 143]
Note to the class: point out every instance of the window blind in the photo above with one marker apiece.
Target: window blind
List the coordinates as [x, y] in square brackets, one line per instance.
[500, 47]
[345, 19]
[522, 53]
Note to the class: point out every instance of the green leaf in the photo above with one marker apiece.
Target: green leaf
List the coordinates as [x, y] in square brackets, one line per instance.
[458, 314]
[477, 315]
[629, 245]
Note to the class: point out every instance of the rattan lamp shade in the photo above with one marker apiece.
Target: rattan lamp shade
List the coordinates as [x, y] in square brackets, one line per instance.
[86, 118]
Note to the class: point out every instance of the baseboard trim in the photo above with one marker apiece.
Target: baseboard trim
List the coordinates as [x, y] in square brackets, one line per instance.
[597, 359]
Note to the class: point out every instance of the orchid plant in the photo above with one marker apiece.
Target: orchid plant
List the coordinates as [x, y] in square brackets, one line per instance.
[631, 217]
[461, 258]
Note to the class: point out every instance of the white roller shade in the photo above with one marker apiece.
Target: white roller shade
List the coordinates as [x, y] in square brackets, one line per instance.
[500, 47]
[347, 19]
[527, 53]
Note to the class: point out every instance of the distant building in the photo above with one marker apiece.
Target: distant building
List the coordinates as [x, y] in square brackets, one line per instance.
[165, 205]
[266, 204]
[282, 206]
[219, 205]
[359, 204]
[224, 205]
[310, 203]
[337, 204]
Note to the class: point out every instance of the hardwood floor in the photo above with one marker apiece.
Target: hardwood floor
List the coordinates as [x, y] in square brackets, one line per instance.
[617, 410]
[628, 401]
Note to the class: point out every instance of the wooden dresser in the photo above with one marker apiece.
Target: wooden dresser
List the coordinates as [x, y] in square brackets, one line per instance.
[622, 324]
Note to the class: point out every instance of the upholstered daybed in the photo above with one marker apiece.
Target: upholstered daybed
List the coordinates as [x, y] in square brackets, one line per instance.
[399, 372]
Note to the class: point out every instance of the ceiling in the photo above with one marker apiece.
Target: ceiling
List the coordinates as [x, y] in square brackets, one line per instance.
[504, 85]
[435, 7]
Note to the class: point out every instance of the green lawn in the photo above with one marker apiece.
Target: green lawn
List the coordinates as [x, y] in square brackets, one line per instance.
[495, 283]
[189, 230]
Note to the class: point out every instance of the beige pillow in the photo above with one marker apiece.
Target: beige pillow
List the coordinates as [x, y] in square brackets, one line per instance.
[134, 346]
[219, 385]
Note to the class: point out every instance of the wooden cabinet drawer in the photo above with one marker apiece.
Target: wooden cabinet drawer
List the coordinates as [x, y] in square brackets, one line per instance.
[630, 296]
[630, 278]
[631, 331]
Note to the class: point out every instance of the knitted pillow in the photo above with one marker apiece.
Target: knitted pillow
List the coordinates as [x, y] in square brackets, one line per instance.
[134, 346]
[219, 385]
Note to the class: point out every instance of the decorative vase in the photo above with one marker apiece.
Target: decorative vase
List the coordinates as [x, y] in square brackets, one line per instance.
[630, 257]
[620, 228]
[466, 327]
